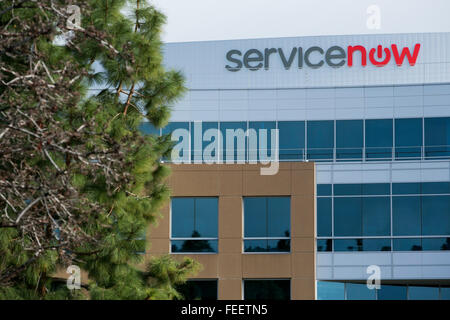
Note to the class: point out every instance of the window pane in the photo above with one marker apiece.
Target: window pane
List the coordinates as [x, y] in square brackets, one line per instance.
[182, 217]
[406, 188]
[282, 245]
[423, 293]
[330, 290]
[349, 139]
[376, 216]
[436, 244]
[235, 146]
[199, 290]
[324, 190]
[292, 139]
[376, 189]
[255, 217]
[358, 291]
[408, 244]
[376, 245]
[436, 187]
[445, 293]
[350, 189]
[194, 245]
[348, 245]
[379, 139]
[406, 216]
[279, 216]
[347, 217]
[387, 292]
[267, 289]
[436, 215]
[437, 138]
[320, 140]
[408, 138]
[324, 245]
[259, 245]
[206, 212]
[323, 217]
[265, 152]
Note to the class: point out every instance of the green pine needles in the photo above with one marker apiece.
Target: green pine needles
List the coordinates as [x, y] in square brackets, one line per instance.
[79, 183]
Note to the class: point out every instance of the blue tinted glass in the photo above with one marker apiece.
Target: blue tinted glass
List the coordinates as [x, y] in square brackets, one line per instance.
[206, 212]
[408, 244]
[259, 245]
[233, 133]
[279, 216]
[406, 188]
[379, 139]
[359, 291]
[172, 126]
[348, 245]
[292, 140]
[423, 293]
[376, 216]
[182, 217]
[324, 217]
[347, 217]
[261, 149]
[255, 217]
[267, 289]
[388, 292]
[324, 189]
[376, 189]
[445, 293]
[330, 290]
[148, 128]
[436, 215]
[436, 244]
[437, 138]
[320, 140]
[198, 144]
[376, 245]
[324, 245]
[349, 139]
[194, 245]
[408, 138]
[351, 189]
[436, 187]
[406, 216]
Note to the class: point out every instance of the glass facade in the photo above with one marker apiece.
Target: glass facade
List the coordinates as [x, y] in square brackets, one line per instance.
[267, 289]
[194, 224]
[371, 217]
[267, 224]
[328, 140]
[330, 290]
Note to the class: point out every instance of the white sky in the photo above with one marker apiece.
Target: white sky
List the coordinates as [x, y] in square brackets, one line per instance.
[199, 20]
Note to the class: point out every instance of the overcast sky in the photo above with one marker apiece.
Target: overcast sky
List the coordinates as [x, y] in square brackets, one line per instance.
[199, 20]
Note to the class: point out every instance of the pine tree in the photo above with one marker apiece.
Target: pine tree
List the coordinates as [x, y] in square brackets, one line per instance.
[79, 182]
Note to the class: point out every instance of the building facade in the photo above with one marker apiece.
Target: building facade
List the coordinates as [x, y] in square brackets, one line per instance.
[368, 116]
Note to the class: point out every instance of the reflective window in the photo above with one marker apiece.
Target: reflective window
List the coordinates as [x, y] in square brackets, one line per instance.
[347, 216]
[359, 291]
[199, 290]
[194, 224]
[330, 290]
[349, 189]
[324, 245]
[388, 292]
[234, 140]
[406, 188]
[292, 140]
[348, 245]
[408, 138]
[260, 146]
[265, 220]
[267, 289]
[324, 217]
[437, 138]
[349, 139]
[379, 139]
[324, 190]
[436, 244]
[423, 293]
[376, 189]
[406, 216]
[376, 216]
[436, 188]
[320, 140]
[376, 245]
[445, 293]
[435, 215]
[407, 244]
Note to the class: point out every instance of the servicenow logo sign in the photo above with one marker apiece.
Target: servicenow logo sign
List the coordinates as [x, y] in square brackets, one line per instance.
[316, 57]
